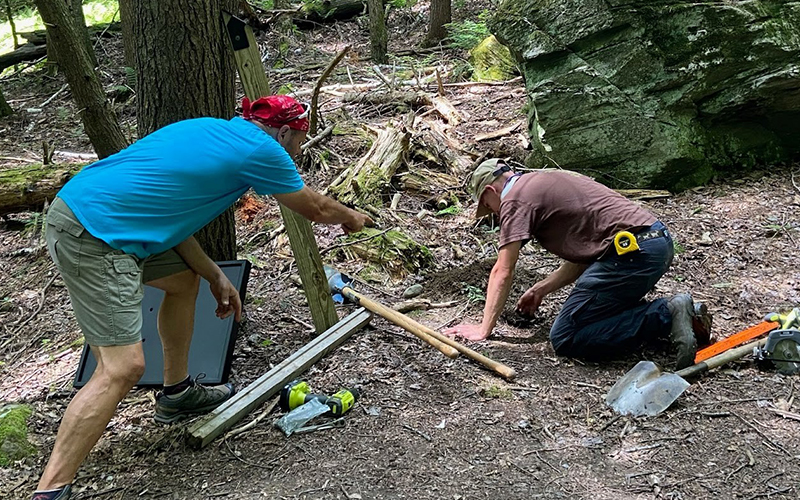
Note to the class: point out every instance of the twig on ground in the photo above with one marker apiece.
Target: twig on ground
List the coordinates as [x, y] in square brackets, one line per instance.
[758, 431]
[50, 99]
[317, 138]
[348, 243]
[794, 183]
[30, 318]
[299, 321]
[455, 317]
[312, 119]
[417, 431]
[246, 427]
[785, 414]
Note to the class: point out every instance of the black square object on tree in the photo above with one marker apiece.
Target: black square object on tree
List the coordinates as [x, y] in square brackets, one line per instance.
[211, 351]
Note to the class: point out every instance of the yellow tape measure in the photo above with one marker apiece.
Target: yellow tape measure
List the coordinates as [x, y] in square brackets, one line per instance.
[625, 242]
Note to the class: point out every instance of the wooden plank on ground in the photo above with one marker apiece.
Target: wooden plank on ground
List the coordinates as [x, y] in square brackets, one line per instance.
[269, 384]
[301, 236]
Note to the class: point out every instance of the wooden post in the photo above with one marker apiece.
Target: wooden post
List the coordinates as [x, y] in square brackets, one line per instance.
[231, 411]
[301, 237]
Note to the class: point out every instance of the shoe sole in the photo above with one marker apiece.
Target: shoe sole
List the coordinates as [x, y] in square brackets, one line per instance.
[182, 415]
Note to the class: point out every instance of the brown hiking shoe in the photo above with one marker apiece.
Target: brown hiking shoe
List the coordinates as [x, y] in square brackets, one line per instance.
[682, 336]
[701, 323]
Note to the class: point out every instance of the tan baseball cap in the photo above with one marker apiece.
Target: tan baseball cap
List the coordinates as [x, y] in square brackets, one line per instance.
[483, 175]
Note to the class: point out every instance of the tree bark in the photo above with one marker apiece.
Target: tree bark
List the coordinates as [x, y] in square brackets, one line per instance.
[128, 43]
[378, 38]
[99, 120]
[5, 109]
[440, 15]
[184, 70]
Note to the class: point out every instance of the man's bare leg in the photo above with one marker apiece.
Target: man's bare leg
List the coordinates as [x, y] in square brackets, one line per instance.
[176, 322]
[118, 370]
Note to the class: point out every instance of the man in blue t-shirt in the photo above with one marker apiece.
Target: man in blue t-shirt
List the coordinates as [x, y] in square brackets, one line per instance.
[128, 219]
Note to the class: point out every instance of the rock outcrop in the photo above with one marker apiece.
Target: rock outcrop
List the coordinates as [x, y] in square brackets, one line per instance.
[660, 94]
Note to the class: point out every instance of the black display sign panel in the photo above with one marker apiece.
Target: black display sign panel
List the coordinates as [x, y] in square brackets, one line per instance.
[213, 340]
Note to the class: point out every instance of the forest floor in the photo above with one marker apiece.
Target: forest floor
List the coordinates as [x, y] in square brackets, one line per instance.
[426, 426]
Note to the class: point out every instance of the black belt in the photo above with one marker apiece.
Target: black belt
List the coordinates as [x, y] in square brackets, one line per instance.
[625, 241]
[651, 234]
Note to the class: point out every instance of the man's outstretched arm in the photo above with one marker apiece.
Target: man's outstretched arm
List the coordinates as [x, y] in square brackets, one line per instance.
[318, 208]
[500, 280]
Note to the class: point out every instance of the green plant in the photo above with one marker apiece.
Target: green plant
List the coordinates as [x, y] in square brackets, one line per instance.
[678, 247]
[473, 293]
[467, 34]
[496, 392]
[266, 342]
[451, 210]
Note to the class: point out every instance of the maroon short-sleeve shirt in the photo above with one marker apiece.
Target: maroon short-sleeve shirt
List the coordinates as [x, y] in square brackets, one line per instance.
[569, 214]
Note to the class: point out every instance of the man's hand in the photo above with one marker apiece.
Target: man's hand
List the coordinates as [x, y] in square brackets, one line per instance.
[357, 224]
[467, 331]
[227, 296]
[531, 300]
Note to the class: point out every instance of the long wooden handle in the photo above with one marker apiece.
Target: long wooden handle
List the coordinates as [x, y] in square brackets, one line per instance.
[721, 359]
[400, 320]
[428, 334]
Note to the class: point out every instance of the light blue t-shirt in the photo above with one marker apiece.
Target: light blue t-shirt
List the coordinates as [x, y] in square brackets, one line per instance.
[163, 188]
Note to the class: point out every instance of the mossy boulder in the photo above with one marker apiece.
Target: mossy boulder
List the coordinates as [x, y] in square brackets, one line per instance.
[14, 444]
[492, 61]
[657, 94]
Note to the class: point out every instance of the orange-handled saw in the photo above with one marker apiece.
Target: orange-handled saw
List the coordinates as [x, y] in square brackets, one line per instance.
[735, 339]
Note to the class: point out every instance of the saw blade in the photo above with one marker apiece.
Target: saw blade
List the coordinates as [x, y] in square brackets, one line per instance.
[786, 357]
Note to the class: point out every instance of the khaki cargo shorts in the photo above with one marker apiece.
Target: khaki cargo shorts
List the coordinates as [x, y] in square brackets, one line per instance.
[105, 286]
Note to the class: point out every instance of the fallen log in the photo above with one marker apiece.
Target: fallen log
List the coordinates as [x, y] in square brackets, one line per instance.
[28, 187]
[393, 250]
[27, 52]
[409, 98]
[328, 11]
[427, 182]
[365, 183]
[433, 145]
[39, 37]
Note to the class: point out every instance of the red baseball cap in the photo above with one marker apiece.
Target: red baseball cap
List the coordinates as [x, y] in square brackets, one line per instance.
[276, 111]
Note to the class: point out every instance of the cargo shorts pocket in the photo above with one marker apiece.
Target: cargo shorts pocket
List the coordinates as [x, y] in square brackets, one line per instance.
[126, 279]
[63, 237]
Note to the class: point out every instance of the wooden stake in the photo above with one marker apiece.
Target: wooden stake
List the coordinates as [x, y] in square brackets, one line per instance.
[298, 228]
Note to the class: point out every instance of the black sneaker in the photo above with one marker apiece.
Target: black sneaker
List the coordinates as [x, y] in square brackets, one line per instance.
[195, 400]
[62, 493]
[682, 336]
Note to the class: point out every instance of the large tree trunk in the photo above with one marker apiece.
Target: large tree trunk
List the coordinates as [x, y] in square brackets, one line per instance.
[184, 70]
[439, 16]
[5, 109]
[378, 37]
[99, 120]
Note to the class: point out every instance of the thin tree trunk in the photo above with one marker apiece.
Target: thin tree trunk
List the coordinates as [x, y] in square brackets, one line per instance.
[440, 15]
[13, 26]
[5, 109]
[128, 44]
[378, 37]
[99, 120]
[76, 6]
[184, 70]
